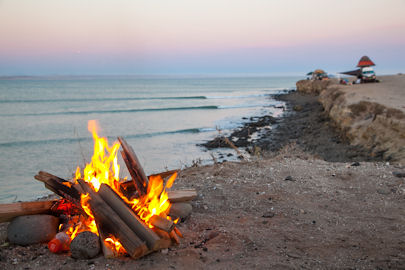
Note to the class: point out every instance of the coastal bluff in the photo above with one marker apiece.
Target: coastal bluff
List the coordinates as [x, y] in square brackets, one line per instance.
[370, 115]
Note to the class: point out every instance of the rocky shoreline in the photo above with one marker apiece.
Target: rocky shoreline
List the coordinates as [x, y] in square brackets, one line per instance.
[305, 124]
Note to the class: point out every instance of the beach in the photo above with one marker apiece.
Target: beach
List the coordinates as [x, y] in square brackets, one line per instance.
[310, 195]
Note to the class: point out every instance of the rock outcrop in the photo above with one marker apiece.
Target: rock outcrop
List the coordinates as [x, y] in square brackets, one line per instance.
[312, 86]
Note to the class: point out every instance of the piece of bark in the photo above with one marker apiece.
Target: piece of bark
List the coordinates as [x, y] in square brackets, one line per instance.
[181, 195]
[9, 211]
[134, 167]
[113, 224]
[162, 223]
[129, 217]
[59, 186]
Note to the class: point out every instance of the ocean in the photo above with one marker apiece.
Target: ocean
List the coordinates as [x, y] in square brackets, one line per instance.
[164, 118]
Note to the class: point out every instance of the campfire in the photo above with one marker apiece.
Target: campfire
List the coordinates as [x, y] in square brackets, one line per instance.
[130, 217]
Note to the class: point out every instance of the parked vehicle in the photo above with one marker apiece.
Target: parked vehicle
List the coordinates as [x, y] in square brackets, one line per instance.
[367, 75]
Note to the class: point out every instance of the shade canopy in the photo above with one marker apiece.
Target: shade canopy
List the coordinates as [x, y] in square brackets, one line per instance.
[319, 71]
[365, 62]
[356, 72]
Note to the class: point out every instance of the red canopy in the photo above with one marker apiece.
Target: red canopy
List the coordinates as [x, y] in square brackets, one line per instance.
[365, 62]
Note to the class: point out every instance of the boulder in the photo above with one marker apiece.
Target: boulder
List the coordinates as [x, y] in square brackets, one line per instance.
[32, 229]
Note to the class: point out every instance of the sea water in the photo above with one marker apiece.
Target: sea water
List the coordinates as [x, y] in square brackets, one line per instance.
[44, 121]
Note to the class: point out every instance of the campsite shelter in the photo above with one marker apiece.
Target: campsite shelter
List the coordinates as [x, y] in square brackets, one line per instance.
[365, 62]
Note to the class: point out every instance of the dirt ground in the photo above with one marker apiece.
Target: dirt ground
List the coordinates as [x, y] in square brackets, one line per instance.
[285, 210]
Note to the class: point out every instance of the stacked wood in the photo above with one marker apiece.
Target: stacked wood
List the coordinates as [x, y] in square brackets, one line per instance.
[113, 216]
[110, 222]
[130, 218]
[134, 167]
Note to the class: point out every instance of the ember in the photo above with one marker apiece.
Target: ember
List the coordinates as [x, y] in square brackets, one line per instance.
[135, 223]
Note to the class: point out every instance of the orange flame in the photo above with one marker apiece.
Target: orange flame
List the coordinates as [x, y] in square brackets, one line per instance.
[104, 168]
[114, 244]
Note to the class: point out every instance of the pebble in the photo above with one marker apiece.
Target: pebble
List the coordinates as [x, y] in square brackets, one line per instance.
[355, 164]
[86, 245]
[289, 178]
[268, 215]
[32, 229]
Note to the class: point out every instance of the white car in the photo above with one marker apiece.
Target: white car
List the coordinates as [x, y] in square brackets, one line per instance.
[367, 74]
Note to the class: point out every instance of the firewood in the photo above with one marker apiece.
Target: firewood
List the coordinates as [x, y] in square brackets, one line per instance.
[181, 195]
[162, 223]
[134, 167]
[11, 210]
[107, 251]
[113, 224]
[166, 241]
[129, 217]
[174, 236]
[177, 231]
[164, 174]
[59, 186]
[128, 188]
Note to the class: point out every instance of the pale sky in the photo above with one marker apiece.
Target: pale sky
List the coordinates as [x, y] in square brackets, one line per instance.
[45, 37]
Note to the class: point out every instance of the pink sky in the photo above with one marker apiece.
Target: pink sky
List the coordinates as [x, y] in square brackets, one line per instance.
[182, 36]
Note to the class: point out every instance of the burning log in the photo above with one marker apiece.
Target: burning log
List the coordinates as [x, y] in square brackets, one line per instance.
[162, 223]
[59, 186]
[134, 167]
[130, 218]
[107, 251]
[111, 223]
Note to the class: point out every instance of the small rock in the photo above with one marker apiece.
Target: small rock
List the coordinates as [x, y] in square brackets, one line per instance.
[355, 164]
[398, 174]
[180, 210]
[27, 230]
[165, 251]
[289, 178]
[268, 215]
[86, 245]
[383, 191]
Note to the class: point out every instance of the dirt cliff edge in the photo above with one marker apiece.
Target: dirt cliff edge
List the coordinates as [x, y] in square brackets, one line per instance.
[370, 115]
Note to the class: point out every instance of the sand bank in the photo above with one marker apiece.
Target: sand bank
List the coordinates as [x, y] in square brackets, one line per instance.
[370, 115]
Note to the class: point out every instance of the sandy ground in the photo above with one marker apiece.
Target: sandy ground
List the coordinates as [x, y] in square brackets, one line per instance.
[393, 95]
[287, 209]
[251, 215]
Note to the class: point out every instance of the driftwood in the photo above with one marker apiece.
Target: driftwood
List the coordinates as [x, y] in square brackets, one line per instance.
[11, 210]
[181, 195]
[128, 188]
[59, 186]
[134, 167]
[129, 217]
[162, 223]
[111, 223]
[107, 251]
